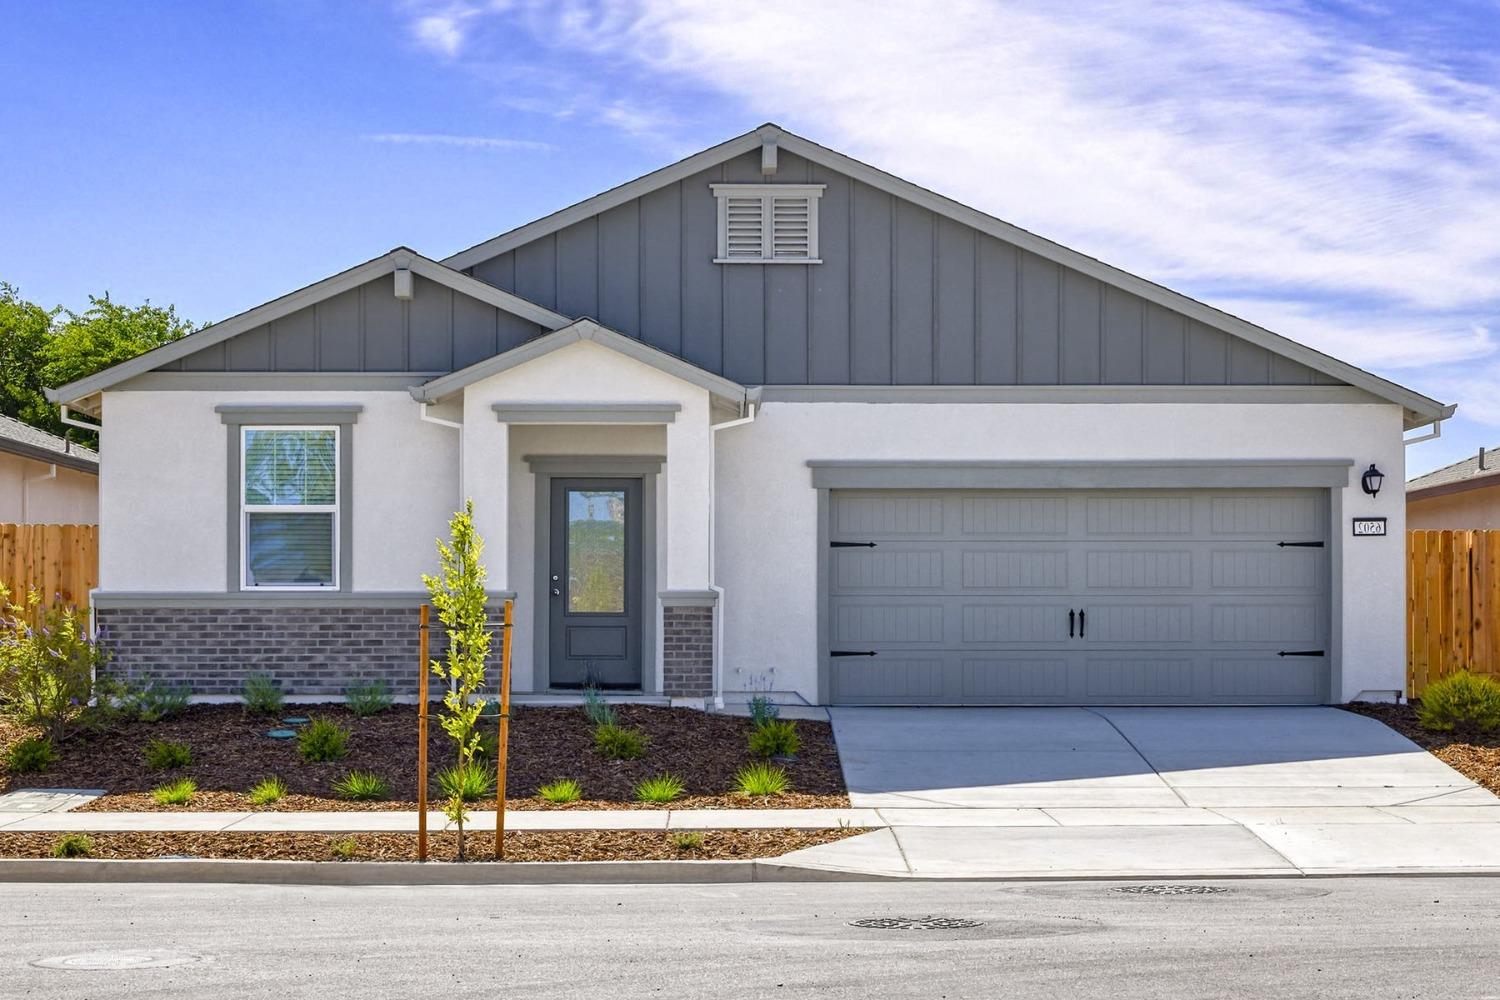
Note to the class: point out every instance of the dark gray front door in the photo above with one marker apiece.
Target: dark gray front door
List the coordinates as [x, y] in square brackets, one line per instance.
[594, 583]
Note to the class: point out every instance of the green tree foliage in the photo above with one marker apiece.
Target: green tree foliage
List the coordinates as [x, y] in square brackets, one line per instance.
[459, 596]
[41, 348]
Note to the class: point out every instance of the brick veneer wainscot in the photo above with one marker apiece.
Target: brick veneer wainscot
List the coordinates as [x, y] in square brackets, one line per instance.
[687, 651]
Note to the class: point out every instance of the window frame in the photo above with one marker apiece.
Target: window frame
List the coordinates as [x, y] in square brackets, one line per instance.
[335, 508]
[767, 192]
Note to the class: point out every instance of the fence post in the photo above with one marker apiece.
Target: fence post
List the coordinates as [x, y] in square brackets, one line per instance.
[423, 617]
[502, 747]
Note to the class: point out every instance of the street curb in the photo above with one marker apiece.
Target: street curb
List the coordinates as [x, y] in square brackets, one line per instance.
[355, 873]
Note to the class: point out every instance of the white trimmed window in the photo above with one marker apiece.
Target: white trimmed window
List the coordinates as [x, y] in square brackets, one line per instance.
[768, 223]
[289, 512]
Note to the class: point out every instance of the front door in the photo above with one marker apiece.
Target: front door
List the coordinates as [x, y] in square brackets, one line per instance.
[594, 583]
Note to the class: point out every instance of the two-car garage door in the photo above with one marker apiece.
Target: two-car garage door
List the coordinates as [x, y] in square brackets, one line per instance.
[1191, 597]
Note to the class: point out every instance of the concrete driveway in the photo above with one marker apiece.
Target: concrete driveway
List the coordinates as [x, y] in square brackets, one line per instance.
[975, 793]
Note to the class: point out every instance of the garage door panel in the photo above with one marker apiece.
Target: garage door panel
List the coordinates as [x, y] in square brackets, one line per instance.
[963, 597]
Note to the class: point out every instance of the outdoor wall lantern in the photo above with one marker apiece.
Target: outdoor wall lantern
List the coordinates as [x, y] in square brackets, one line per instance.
[1372, 479]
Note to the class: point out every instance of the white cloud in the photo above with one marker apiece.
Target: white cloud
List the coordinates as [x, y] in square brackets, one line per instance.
[443, 33]
[460, 141]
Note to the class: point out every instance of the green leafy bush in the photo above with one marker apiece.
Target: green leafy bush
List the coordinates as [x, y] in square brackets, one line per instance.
[362, 786]
[1462, 701]
[761, 778]
[659, 788]
[488, 746]
[34, 753]
[175, 793]
[163, 755]
[345, 848]
[267, 791]
[618, 743]
[73, 845]
[261, 695]
[561, 791]
[365, 698]
[322, 740]
[154, 701]
[469, 782]
[599, 711]
[775, 738]
[47, 671]
[762, 710]
[686, 840]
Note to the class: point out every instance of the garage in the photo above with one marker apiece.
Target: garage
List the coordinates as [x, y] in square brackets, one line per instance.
[1077, 597]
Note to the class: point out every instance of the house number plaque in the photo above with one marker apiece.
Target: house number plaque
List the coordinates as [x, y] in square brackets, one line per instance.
[1369, 526]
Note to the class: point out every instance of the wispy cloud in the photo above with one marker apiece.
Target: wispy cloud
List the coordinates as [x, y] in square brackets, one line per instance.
[460, 141]
[1268, 158]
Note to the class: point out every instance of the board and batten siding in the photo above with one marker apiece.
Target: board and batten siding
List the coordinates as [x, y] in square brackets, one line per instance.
[368, 329]
[904, 296]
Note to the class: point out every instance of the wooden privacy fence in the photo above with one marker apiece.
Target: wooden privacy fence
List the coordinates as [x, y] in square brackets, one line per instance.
[58, 561]
[1452, 605]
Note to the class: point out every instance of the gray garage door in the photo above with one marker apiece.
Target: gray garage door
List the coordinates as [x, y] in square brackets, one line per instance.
[1192, 597]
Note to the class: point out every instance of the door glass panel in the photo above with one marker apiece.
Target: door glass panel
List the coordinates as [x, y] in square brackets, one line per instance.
[596, 551]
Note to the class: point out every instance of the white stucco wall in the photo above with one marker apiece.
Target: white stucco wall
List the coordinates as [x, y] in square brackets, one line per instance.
[28, 495]
[1470, 510]
[164, 506]
[767, 509]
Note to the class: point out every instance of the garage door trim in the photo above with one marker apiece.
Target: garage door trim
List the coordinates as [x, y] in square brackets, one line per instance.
[1156, 474]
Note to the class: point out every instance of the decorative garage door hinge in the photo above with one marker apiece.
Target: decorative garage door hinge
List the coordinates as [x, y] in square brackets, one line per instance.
[1299, 545]
[851, 545]
[1301, 652]
[851, 652]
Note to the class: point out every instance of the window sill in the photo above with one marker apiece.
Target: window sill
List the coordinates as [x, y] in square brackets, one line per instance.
[768, 260]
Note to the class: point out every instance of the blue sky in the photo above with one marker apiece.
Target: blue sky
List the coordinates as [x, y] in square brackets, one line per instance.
[1330, 170]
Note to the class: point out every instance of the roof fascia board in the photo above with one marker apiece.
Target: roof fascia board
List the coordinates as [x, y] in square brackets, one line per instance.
[1459, 486]
[1087, 394]
[300, 299]
[584, 329]
[696, 163]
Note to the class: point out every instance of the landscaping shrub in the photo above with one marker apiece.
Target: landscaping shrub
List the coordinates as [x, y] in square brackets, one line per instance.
[488, 746]
[175, 793]
[362, 786]
[761, 779]
[775, 738]
[1462, 701]
[153, 701]
[762, 710]
[261, 695]
[561, 791]
[267, 791]
[659, 788]
[47, 672]
[618, 743]
[365, 698]
[599, 711]
[73, 845]
[686, 840]
[344, 849]
[163, 755]
[34, 753]
[469, 782]
[322, 740]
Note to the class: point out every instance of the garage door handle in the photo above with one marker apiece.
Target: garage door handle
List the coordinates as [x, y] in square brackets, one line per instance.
[1071, 614]
[1301, 652]
[1081, 620]
[851, 652]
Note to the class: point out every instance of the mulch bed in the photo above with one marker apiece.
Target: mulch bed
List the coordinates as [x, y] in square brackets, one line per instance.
[231, 753]
[1475, 756]
[523, 845]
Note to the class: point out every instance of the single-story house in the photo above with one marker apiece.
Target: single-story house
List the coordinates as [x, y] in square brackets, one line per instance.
[768, 418]
[44, 478]
[1464, 496]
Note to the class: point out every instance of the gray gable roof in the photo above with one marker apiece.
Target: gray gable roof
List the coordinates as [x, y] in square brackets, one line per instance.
[1463, 475]
[22, 439]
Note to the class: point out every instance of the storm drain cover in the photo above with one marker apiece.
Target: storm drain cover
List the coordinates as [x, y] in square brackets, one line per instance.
[110, 961]
[927, 923]
[1171, 890]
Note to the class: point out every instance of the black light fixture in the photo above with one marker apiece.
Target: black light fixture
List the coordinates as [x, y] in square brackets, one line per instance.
[1372, 480]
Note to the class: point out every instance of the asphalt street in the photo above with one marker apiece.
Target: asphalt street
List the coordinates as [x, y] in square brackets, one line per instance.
[1364, 938]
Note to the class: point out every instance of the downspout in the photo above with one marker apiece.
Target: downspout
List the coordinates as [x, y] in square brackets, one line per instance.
[26, 482]
[428, 418]
[749, 409]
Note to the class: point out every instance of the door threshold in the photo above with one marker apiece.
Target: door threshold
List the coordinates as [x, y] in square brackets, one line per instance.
[575, 697]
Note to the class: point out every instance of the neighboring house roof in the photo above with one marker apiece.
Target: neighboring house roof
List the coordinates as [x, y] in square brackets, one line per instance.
[1418, 409]
[387, 263]
[585, 329]
[1475, 472]
[27, 441]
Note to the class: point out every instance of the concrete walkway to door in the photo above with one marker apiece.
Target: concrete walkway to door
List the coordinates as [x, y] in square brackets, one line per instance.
[996, 792]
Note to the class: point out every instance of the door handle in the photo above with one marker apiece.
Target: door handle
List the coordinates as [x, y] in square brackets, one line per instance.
[1080, 623]
[556, 592]
[1071, 614]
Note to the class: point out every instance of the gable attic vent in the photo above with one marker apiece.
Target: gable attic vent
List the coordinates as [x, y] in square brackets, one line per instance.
[768, 223]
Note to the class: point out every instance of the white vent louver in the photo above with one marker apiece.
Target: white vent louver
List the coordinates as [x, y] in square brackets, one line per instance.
[768, 223]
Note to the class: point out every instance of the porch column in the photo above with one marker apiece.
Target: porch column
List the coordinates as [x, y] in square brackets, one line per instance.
[687, 603]
[486, 481]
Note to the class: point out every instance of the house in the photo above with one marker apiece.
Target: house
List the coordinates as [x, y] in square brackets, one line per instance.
[1463, 496]
[45, 479]
[768, 418]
